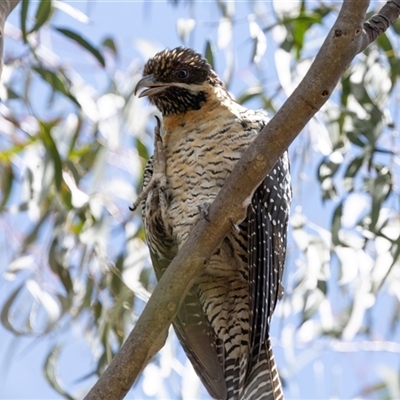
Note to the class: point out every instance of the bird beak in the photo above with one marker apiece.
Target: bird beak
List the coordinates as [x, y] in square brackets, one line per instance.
[152, 84]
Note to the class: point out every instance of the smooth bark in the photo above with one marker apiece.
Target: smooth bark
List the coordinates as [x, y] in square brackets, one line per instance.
[347, 38]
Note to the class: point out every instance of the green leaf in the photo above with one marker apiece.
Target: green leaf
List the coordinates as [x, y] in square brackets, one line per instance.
[356, 139]
[396, 26]
[6, 183]
[322, 286]
[45, 134]
[5, 317]
[43, 14]
[354, 167]
[249, 94]
[86, 155]
[50, 372]
[297, 27]
[312, 301]
[11, 94]
[380, 188]
[109, 43]
[23, 17]
[142, 150]
[56, 80]
[336, 224]
[55, 254]
[97, 309]
[32, 235]
[351, 172]
[385, 44]
[209, 54]
[346, 89]
[326, 171]
[84, 43]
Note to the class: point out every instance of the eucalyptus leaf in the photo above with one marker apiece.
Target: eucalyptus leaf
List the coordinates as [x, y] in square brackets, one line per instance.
[84, 43]
[50, 372]
[56, 80]
[23, 19]
[43, 14]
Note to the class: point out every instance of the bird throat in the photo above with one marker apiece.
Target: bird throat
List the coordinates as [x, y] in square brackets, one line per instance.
[219, 106]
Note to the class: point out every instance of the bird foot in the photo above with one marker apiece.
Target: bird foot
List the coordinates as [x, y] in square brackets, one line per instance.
[203, 210]
[158, 177]
[234, 226]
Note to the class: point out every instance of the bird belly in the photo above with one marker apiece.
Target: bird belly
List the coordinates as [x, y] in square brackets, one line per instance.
[197, 165]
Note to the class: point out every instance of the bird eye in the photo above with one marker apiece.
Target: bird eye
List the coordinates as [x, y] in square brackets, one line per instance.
[183, 73]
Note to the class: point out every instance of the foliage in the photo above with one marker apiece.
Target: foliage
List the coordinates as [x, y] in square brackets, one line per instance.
[72, 154]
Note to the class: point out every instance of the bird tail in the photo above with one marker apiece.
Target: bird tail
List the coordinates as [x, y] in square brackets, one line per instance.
[263, 381]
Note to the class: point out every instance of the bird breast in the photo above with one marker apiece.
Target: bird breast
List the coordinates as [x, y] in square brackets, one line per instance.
[199, 156]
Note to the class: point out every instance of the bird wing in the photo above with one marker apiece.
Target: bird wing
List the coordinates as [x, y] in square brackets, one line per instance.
[192, 328]
[197, 338]
[267, 227]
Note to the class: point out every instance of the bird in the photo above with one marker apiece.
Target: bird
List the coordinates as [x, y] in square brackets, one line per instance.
[224, 321]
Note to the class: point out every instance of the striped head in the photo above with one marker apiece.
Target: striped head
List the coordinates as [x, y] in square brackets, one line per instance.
[177, 81]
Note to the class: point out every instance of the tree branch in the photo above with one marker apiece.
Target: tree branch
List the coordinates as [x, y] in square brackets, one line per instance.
[6, 6]
[344, 41]
[380, 22]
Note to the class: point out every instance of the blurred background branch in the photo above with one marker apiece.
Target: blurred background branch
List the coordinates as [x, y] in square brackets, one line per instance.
[6, 7]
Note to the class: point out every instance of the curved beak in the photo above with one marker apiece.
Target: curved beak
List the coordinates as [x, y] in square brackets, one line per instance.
[152, 84]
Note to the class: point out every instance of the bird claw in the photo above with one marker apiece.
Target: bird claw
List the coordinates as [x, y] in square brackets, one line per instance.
[158, 177]
[159, 157]
[133, 207]
[234, 226]
[203, 210]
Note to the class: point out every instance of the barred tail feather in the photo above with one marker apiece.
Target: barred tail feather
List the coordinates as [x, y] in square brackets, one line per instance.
[263, 381]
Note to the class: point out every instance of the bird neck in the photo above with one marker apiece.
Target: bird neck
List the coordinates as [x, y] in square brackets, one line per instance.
[218, 105]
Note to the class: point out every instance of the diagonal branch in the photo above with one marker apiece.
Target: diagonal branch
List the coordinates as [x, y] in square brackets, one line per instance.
[6, 6]
[348, 37]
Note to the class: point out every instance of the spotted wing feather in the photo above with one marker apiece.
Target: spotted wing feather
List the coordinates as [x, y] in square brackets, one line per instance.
[267, 227]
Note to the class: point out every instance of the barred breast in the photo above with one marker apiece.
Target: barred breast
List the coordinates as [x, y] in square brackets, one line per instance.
[200, 154]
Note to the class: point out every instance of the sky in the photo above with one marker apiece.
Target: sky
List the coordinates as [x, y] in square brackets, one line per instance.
[133, 23]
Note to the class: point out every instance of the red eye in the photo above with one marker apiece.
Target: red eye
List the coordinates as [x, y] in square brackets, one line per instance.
[183, 73]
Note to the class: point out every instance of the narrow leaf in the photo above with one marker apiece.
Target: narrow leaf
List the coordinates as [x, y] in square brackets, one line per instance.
[45, 129]
[353, 167]
[336, 224]
[58, 268]
[6, 183]
[209, 54]
[56, 81]
[5, 317]
[142, 150]
[24, 15]
[43, 14]
[109, 43]
[50, 372]
[33, 234]
[250, 93]
[84, 43]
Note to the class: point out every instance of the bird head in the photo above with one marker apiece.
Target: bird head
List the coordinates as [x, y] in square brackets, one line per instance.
[177, 81]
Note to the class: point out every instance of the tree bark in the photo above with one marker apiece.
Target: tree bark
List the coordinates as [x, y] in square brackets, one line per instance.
[6, 6]
[349, 35]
